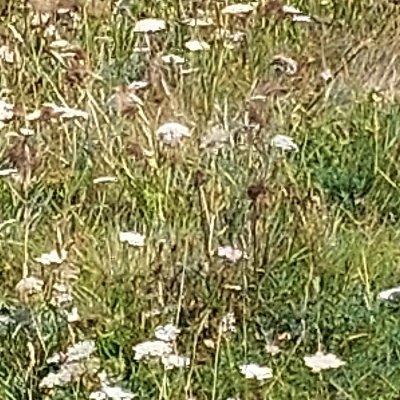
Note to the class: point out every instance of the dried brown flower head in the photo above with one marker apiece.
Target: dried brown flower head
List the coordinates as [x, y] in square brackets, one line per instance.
[256, 190]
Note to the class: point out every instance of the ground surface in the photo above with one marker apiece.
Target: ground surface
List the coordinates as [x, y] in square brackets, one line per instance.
[315, 224]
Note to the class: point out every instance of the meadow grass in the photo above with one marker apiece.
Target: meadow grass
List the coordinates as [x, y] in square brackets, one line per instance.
[319, 226]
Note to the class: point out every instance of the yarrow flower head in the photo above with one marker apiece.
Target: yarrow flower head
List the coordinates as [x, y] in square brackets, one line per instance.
[321, 361]
[285, 143]
[167, 333]
[54, 257]
[152, 348]
[107, 391]
[172, 132]
[171, 361]
[254, 371]
[132, 238]
[239, 8]
[173, 59]
[197, 45]
[230, 253]
[77, 352]
[149, 25]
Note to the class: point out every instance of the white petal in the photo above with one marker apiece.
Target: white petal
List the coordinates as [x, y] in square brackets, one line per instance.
[230, 253]
[390, 294]
[59, 44]
[251, 371]
[152, 348]
[167, 333]
[115, 392]
[175, 361]
[197, 45]
[284, 142]
[173, 59]
[301, 18]
[172, 132]
[80, 350]
[132, 238]
[290, 10]
[320, 361]
[149, 25]
[105, 179]
[326, 74]
[52, 258]
[240, 8]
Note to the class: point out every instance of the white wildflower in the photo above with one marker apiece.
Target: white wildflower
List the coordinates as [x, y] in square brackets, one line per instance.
[152, 348]
[239, 8]
[137, 85]
[297, 15]
[167, 333]
[99, 395]
[230, 253]
[105, 179]
[197, 45]
[390, 294]
[70, 113]
[30, 285]
[60, 378]
[77, 352]
[132, 238]
[301, 18]
[54, 111]
[326, 75]
[80, 350]
[26, 132]
[56, 358]
[173, 59]
[148, 25]
[291, 10]
[8, 171]
[73, 315]
[171, 361]
[228, 323]
[285, 64]
[321, 361]
[59, 44]
[172, 132]
[254, 371]
[284, 142]
[67, 373]
[6, 110]
[111, 392]
[54, 257]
